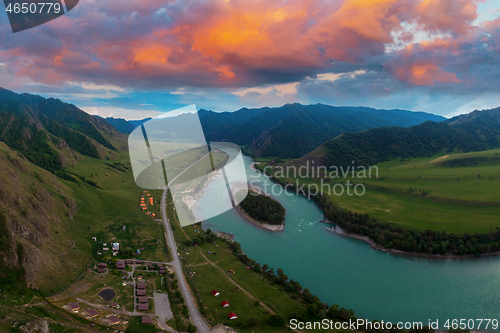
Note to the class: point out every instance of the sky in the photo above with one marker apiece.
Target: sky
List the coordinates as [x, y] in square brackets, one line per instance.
[138, 58]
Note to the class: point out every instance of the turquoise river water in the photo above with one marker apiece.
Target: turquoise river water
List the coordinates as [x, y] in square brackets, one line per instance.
[345, 271]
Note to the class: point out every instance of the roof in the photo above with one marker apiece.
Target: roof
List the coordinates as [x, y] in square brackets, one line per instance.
[101, 270]
[225, 303]
[101, 264]
[147, 320]
[232, 315]
[143, 307]
[143, 300]
[92, 312]
[129, 262]
[74, 306]
[215, 292]
[141, 286]
[141, 292]
[113, 319]
[114, 305]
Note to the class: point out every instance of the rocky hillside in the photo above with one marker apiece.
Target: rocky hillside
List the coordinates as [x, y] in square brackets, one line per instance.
[42, 141]
[36, 210]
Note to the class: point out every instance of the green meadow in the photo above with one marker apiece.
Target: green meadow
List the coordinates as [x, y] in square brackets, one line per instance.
[456, 193]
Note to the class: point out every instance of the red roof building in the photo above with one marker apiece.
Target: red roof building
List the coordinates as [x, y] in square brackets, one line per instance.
[215, 293]
[225, 304]
[120, 264]
[102, 265]
[141, 292]
[143, 300]
[147, 320]
[232, 315]
[141, 286]
[101, 270]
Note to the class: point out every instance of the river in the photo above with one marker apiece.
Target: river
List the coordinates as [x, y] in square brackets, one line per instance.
[345, 271]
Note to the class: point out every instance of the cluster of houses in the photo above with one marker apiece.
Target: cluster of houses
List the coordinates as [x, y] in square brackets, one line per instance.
[225, 304]
[142, 300]
[115, 247]
[93, 313]
[122, 264]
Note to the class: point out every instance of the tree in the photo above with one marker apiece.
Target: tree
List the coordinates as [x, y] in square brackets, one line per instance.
[277, 320]
[333, 311]
[343, 314]
[191, 328]
[128, 252]
[257, 303]
[265, 268]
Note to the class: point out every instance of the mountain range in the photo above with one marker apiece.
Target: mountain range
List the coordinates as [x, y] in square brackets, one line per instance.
[292, 130]
[476, 131]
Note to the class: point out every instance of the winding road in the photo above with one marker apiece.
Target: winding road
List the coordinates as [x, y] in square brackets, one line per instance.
[176, 263]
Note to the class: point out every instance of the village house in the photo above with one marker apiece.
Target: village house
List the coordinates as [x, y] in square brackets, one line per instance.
[225, 304]
[215, 293]
[120, 264]
[74, 307]
[92, 313]
[113, 320]
[143, 307]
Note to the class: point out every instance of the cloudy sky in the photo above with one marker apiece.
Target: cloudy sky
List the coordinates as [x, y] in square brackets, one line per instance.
[136, 58]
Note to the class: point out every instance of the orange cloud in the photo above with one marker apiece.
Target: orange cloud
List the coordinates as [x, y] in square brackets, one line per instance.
[426, 74]
[237, 43]
[265, 35]
[155, 54]
[453, 16]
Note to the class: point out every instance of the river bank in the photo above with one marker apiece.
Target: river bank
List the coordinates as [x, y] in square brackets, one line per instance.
[338, 230]
[381, 248]
[266, 226]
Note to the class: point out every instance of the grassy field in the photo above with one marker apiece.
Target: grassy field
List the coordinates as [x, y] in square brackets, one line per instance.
[425, 194]
[206, 272]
